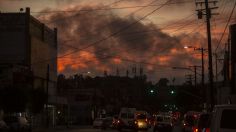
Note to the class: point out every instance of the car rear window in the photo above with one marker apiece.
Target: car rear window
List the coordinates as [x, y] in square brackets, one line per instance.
[130, 115]
[227, 119]
[141, 116]
[127, 115]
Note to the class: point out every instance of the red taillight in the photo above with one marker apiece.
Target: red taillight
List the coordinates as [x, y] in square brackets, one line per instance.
[195, 129]
[207, 129]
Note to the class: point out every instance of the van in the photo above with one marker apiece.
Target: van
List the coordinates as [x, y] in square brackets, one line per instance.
[223, 119]
[126, 118]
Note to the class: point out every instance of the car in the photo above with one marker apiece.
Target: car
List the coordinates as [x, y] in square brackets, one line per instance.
[3, 126]
[141, 121]
[98, 123]
[17, 123]
[190, 121]
[115, 122]
[223, 119]
[163, 123]
[126, 119]
[103, 123]
[203, 123]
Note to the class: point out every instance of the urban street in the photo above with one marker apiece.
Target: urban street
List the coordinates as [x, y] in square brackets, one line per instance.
[117, 65]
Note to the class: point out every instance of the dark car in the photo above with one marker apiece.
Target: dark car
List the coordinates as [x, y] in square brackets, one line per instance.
[163, 123]
[190, 122]
[203, 124]
[17, 124]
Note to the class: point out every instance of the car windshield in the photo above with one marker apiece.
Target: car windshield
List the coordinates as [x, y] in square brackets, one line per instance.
[127, 115]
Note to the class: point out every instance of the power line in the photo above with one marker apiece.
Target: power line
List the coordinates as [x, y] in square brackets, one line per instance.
[102, 9]
[115, 33]
[110, 56]
[226, 26]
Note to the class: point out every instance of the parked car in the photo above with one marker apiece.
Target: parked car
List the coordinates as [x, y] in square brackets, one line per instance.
[17, 123]
[223, 119]
[163, 123]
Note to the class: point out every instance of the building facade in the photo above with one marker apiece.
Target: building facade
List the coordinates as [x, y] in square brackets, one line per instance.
[28, 50]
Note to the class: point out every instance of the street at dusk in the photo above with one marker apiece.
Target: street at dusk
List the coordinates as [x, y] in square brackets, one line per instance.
[117, 65]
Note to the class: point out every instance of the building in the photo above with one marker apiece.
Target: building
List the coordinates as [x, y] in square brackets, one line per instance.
[28, 50]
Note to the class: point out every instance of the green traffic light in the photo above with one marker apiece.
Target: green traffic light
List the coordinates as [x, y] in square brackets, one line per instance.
[151, 91]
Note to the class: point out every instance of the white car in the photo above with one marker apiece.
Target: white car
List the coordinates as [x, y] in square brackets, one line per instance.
[223, 119]
[98, 122]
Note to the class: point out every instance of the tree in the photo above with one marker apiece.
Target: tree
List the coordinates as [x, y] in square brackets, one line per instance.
[163, 82]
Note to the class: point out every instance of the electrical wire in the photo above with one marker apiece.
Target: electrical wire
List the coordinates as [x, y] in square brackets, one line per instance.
[111, 35]
[226, 26]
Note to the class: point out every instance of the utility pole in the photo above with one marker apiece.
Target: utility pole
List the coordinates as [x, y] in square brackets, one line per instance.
[208, 16]
[47, 84]
[195, 75]
[189, 78]
[203, 71]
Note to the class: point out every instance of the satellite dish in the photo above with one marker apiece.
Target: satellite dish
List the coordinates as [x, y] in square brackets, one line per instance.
[21, 9]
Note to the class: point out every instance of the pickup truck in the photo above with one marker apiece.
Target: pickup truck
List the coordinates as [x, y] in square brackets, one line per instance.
[223, 119]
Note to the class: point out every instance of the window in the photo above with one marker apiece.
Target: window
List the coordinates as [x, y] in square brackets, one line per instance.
[227, 119]
[123, 115]
[130, 115]
[141, 116]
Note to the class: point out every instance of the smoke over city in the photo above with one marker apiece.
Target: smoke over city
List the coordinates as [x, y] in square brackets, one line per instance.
[99, 41]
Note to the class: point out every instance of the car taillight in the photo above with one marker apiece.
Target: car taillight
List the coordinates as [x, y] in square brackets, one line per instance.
[118, 121]
[207, 129]
[195, 129]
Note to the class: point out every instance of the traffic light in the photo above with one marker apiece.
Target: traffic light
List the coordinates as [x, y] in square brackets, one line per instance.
[151, 91]
[172, 92]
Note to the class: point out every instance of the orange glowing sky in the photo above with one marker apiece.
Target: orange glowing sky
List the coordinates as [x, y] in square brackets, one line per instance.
[157, 48]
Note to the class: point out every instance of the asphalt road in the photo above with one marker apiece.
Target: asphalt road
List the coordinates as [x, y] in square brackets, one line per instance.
[90, 129]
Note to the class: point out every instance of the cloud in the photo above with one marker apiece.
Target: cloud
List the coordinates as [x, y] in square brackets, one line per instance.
[109, 41]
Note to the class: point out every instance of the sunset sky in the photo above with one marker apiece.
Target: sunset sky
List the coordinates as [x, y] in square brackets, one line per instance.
[98, 35]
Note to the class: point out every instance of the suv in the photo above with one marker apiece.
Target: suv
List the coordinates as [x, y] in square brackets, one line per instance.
[163, 123]
[126, 118]
[223, 119]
